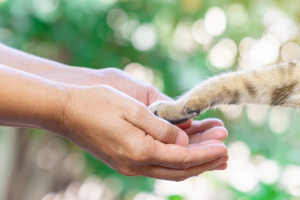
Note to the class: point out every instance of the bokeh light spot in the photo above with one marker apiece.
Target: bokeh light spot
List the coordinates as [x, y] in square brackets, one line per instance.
[231, 111]
[223, 54]
[279, 119]
[128, 29]
[46, 158]
[290, 179]
[238, 17]
[244, 46]
[183, 40]
[257, 114]
[144, 37]
[116, 18]
[141, 72]
[242, 175]
[199, 32]
[269, 171]
[264, 51]
[91, 189]
[45, 6]
[215, 21]
[272, 17]
[290, 51]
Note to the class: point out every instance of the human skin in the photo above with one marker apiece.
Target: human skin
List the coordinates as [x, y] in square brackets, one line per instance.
[55, 71]
[204, 136]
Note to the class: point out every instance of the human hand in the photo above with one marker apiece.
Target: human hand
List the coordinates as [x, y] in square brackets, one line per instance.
[118, 79]
[125, 135]
[207, 130]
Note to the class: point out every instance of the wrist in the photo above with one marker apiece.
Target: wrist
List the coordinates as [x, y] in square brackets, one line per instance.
[54, 120]
[71, 116]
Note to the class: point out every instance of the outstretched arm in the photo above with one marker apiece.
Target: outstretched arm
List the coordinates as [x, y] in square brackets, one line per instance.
[276, 85]
[51, 70]
[29, 101]
[62, 73]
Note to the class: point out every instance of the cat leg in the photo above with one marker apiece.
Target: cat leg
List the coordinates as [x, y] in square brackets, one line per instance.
[271, 85]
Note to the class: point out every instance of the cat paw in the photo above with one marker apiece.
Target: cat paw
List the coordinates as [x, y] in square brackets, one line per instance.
[174, 112]
[194, 107]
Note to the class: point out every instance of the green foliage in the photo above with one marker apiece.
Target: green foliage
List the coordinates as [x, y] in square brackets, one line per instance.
[76, 32]
[175, 197]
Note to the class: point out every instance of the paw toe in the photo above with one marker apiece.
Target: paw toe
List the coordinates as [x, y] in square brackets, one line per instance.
[194, 112]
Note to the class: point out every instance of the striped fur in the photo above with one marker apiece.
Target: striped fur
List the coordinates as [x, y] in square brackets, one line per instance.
[277, 85]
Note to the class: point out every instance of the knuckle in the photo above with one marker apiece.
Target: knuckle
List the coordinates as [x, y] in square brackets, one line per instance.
[112, 71]
[137, 111]
[127, 172]
[140, 156]
[165, 134]
[185, 164]
[205, 154]
[180, 176]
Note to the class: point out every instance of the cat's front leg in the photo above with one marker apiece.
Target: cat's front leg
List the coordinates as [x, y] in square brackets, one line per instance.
[275, 85]
[232, 88]
[187, 107]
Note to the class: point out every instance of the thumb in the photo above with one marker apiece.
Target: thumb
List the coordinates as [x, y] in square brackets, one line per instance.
[158, 128]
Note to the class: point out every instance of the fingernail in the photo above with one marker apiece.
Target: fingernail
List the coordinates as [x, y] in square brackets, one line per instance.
[217, 144]
[182, 139]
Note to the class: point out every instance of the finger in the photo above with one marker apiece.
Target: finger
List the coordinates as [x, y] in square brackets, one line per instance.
[215, 133]
[185, 125]
[178, 157]
[159, 172]
[205, 143]
[158, 128]
[203, 125]
[222, 166]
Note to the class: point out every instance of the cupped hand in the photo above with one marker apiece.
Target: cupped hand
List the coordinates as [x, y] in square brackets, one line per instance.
[201, 132]
[125, 135]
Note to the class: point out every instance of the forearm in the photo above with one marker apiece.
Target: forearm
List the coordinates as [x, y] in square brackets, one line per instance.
[29, 101]
[82, 76]
[42, 67]
[26, 62]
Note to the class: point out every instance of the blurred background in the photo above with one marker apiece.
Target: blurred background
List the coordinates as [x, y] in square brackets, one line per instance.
[173, 44]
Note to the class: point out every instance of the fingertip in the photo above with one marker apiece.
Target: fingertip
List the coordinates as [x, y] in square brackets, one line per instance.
[185, 125]
[182, 138]
[219, 132]
[208, 143]
[212, 122]
[222, 166]
[219, 149]
[224, 159]
[217, 122]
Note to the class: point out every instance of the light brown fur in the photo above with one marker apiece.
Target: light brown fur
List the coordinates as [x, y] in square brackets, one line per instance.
[276, 85]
